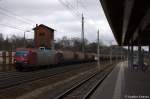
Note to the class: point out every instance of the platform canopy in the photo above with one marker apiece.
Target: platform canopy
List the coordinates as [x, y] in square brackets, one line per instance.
[129, 20]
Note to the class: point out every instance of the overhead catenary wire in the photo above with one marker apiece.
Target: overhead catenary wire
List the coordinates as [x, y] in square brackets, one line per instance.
[16, 28]
[87, 12]
[8, 13]
[6, 25]
[12, 13]
[18, 17]
[77, 12]
[13, 27]
[3, 13]
[83, 5]
[70, 7]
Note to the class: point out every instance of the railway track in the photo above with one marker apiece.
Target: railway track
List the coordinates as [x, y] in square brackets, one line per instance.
[86, 87]
[16, 78]
[52, 77]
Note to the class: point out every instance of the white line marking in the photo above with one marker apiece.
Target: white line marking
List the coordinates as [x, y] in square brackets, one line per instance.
[118, 86]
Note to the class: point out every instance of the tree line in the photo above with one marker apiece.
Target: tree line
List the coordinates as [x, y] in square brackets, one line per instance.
[73, 44]
[13, 42]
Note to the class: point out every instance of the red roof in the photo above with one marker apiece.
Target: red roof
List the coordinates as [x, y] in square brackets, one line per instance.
[42, 25]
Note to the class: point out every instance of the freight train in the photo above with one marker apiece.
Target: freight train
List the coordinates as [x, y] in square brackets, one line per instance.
[28, 57]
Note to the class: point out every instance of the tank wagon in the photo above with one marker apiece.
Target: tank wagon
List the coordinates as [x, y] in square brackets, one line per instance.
[27, 57]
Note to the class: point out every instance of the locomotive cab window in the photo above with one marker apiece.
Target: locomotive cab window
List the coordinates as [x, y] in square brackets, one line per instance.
[22, 53]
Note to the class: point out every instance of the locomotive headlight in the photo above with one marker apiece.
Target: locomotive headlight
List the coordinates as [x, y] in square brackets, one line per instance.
[25, 55]
[96, 58]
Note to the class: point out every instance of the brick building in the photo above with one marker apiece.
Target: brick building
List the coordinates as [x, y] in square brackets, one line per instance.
[43, 36]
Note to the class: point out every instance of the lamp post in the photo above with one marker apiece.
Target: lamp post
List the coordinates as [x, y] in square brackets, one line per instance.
[24, 41]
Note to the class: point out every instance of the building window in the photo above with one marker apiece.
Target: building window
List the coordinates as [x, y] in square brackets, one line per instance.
[42, 34]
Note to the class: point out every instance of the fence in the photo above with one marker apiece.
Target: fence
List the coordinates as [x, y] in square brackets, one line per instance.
[6, 61]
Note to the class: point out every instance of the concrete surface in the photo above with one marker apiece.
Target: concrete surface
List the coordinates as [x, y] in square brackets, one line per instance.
[123, 83]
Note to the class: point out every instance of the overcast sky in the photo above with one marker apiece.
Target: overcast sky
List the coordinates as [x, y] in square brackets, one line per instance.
[66, 21]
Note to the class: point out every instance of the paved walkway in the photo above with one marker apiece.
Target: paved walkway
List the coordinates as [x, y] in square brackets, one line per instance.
[122, 83]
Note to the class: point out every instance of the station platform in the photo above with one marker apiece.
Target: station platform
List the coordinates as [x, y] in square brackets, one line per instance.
[124, 83]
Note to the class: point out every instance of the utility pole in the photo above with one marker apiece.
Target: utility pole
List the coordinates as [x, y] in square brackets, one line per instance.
[24, 38]
[121, 54]
[110, 54]
[82, 36]
[129, 56]
[149, 55]
[98, 51]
